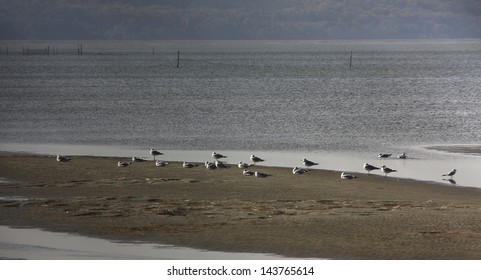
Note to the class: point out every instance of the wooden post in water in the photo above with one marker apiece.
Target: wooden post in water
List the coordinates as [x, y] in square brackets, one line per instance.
[178, 59]
[350, 61]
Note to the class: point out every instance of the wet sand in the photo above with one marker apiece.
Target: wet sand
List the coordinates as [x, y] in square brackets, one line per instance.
[315, 215]
[458, 149]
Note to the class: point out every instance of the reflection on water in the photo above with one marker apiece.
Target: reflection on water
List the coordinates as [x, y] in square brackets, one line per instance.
[28, 243]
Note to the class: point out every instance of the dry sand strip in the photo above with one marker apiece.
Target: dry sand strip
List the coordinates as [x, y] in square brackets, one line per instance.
[315, 215]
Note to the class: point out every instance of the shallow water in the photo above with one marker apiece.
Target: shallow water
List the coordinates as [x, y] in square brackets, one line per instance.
[421, 164]
[36, 244]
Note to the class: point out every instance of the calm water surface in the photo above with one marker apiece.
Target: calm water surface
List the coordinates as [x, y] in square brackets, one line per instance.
[288, 97]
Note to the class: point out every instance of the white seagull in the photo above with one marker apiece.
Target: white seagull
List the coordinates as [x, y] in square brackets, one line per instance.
[123, 164]
[369, 167]
[384, 155]
[451, 173]
[160, 163]
[347, 176]
[246, 172]
[210, 165]
[256, 159]
[188, 164]
[62, 158]
[402, 156]
[387, 170]
[261, 174]
[243, 164]
[217, 155]
[309, 163]
[155, 153]
[299, 171]
[136, 159]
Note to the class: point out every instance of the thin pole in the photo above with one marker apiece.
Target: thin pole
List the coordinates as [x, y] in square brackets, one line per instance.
[178, 59]
[350, 61]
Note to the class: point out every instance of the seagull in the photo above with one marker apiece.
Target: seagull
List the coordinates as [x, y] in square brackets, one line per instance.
[384, 155]
[155, 153]
[62, 158]
[402, 156]
[221, 165]
[188, 164]
[160, 163]
[210, 165]
[217, 156]
[299, 171]
[243, 164]
[136, 159]
[369, 167]
[309, 163]
[348, 176]
[261, 174]
[256, 159]
[123, 164]
[246, 172]
[387, 170]
[451, 173]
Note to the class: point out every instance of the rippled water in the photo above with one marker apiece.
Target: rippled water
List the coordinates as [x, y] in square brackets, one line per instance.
[293, 96]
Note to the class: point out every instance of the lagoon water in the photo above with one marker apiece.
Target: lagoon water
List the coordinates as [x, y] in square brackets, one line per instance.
[290, 99]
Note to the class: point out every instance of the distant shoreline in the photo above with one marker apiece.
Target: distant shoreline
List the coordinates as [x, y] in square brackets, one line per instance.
[457, 149]
[315, 215]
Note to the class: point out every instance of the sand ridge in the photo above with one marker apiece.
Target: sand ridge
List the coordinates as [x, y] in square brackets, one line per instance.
[316, 215]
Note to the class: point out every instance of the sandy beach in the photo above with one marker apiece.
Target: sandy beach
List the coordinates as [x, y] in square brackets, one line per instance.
[315, 215]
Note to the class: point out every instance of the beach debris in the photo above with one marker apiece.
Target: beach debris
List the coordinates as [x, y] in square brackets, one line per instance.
[160, 163]
[368, 167]
[299, 171]
[217, 155]
[154, 153]
[451, 173]
[188, 165]
[387, 170]
[62, 158]
[402, 156]
[347, 176]
[123, 164]
[256, 159]
[307, 163]
[259, 174]
[383, 155]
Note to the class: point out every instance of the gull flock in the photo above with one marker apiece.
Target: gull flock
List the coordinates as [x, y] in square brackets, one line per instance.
[218, 164]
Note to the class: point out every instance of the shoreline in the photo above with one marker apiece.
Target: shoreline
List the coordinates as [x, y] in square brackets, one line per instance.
[315, 215]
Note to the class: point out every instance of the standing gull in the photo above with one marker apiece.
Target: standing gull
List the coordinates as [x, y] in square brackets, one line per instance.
[256, 159]
[155, 153]
[451, 173]
[387, 170]
[217, 155]
[369, 167]
[308, 163]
